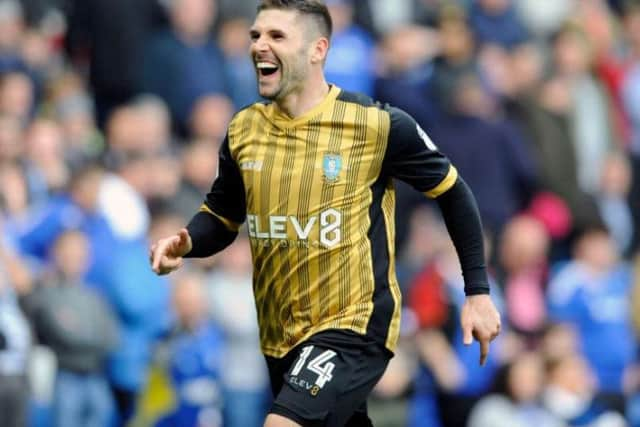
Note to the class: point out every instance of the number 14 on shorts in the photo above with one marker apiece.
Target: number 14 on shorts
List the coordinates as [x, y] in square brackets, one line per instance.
[319, 365]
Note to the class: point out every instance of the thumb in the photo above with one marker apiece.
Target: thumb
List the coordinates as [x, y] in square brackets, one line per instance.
[184, 236]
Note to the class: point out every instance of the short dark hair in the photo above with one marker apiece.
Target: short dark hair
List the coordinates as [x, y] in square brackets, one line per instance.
[314, 8]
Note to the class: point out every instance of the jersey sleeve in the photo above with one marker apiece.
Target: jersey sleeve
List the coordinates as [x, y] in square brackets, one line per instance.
[412, 157]
[216, 224]
[226, 199]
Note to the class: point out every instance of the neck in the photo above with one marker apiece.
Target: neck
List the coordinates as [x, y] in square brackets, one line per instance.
[297, 103]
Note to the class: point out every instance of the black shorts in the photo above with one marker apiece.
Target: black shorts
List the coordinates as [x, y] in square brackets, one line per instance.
[325, 380]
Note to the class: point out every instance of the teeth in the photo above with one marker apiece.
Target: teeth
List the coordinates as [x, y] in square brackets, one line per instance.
[266, 65]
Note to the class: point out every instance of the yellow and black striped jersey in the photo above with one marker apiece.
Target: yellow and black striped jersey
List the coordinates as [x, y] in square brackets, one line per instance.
[317, 195]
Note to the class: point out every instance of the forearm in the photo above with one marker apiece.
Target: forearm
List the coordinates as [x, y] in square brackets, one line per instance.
[462, 218]
[208, 235]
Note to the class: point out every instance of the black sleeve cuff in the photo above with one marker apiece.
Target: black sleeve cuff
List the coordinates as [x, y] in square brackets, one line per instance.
[208, 235]
[462, 218]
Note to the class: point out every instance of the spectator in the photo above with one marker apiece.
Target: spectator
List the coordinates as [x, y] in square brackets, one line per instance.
[490, 154]
[44, 161]
[515, 401]
[569, 394]
[11, 146]
[80, 329]
[106, 39]
[194, 359]
[199, 163]
[448, 383]
[73, 108]
[613, 202]
[591, 293]
[542, 110]
[15, 337]
[497, 21]
[405, 70]
[17, 96]
[187, 56]
[591, 129]
[75, 208]
[350, 63]
[210, 116]
[234, 42]
[13, 25]
[456, 56]
[523, 258]
[244, 375]
[15, 194]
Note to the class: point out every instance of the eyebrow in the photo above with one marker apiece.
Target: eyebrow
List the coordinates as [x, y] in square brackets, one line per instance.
[272, 31]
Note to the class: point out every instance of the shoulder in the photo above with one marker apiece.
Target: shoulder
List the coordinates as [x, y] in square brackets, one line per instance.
[247, 113]
[395, 115]
[358, 99]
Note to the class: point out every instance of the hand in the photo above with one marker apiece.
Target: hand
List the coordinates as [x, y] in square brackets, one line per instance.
[480, 320]
[166, 254]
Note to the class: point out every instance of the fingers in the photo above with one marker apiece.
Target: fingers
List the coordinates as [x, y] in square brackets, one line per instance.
[484, 350]
[467, 331]
[157, 252]
[161, 256]
[167, 265]
[484, 340]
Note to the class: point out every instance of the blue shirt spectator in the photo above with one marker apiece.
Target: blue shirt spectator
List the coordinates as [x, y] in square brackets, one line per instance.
[350, 62]
[591, 293]
[497, 22]
[598, 307]
[194, 368]
[184, 63]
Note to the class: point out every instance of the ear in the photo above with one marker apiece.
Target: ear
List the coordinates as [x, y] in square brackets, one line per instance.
[319, 50]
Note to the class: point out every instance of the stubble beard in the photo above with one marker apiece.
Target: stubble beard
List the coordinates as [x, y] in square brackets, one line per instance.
[292, 78]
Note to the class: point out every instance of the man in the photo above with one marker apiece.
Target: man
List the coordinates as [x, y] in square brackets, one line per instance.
[311, 172]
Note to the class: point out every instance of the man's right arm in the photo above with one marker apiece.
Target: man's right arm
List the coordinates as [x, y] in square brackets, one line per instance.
[216, 224]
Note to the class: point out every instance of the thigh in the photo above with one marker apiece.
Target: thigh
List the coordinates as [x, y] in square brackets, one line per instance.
[100, 406]
[68, 400]
[328, 381]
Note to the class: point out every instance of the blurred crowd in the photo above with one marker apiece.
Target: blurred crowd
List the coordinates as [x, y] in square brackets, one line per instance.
[111, 115]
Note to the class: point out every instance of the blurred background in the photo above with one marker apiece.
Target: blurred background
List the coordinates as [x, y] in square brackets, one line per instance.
[111, 114]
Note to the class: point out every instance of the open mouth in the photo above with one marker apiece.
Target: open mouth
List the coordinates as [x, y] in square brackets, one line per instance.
[266, 68]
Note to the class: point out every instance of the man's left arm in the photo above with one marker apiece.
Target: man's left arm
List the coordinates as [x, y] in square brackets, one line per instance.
[412, 157]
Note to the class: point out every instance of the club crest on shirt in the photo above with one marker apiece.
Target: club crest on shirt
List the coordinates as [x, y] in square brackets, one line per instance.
[331, 166]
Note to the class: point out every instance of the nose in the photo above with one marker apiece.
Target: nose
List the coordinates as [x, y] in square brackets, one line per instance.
[261, 45]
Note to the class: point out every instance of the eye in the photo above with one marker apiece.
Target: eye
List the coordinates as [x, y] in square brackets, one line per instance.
[254, 35]
[277, 35]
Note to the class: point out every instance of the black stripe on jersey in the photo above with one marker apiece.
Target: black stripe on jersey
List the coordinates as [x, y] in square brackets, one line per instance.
[335, 143]
[266, 268]
[283, 200]
[383, 303]
[356, 152]
[306, 184]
